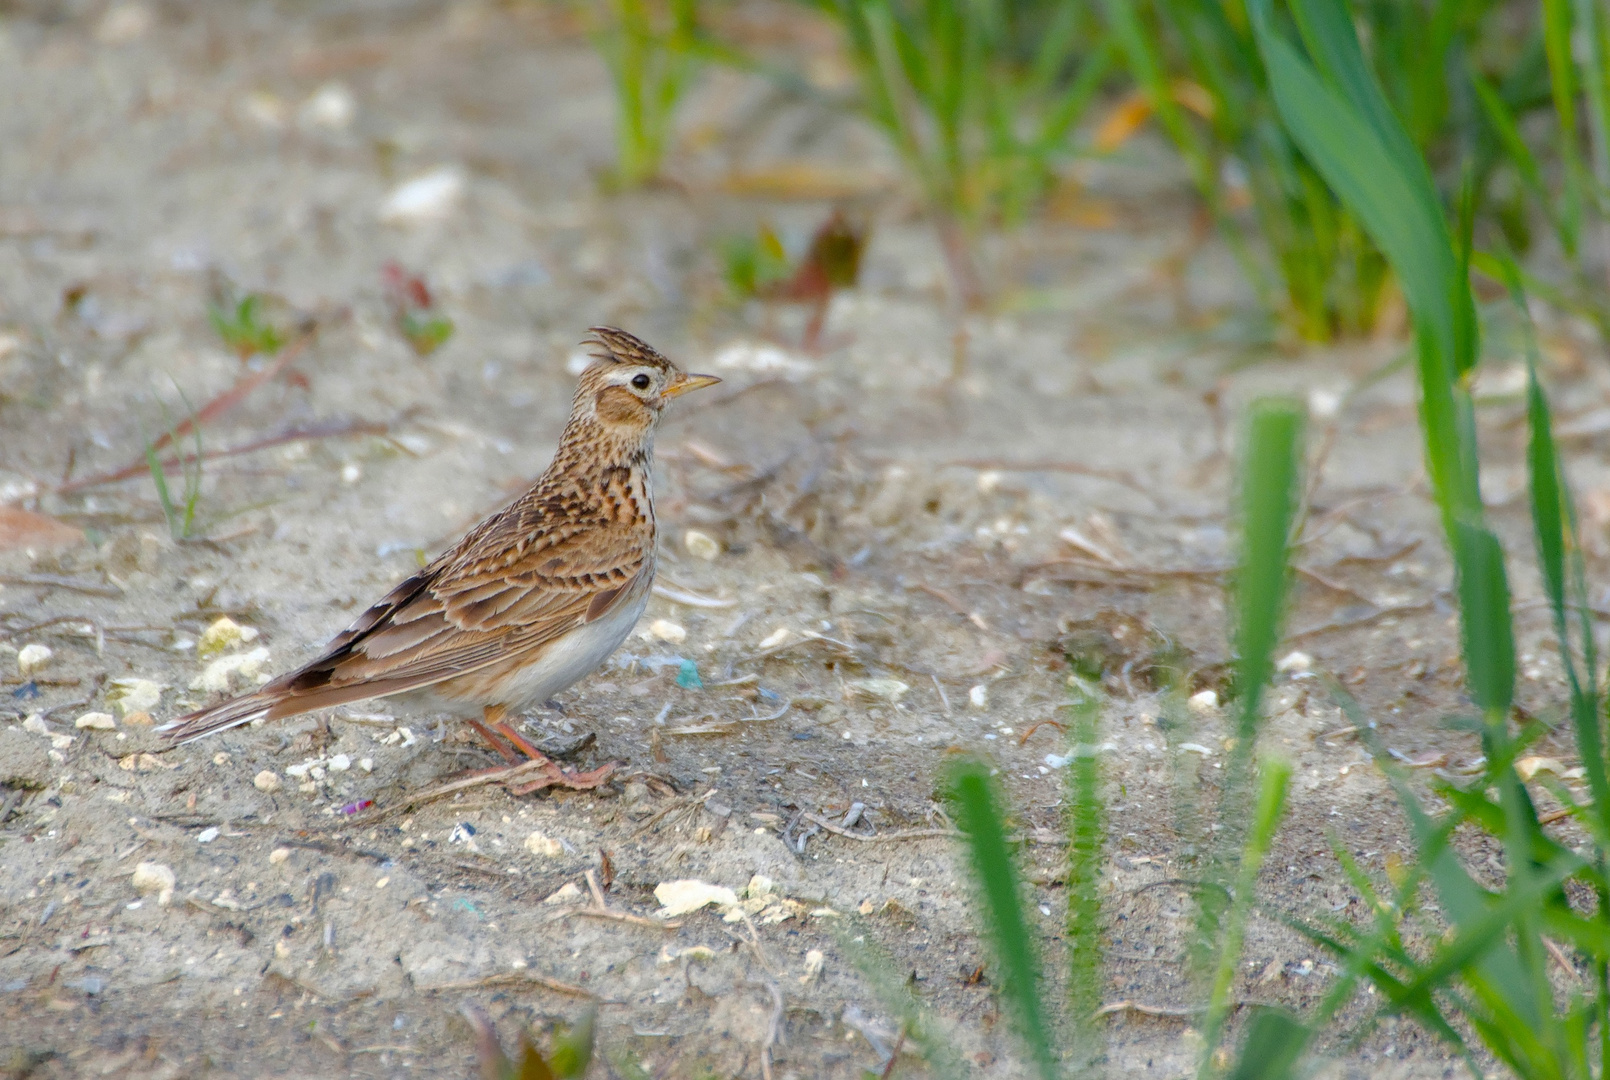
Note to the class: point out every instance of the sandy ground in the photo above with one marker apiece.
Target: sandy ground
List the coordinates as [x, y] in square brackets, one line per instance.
[890, 584]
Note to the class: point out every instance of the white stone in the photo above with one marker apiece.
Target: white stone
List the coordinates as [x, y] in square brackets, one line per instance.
[151, 877]
[567, 893]
[267, 780]
[134, 695]
[96, 721]
[978, 696]
[1204, 702]
[541, 844]
[666, 630]
[32, 657]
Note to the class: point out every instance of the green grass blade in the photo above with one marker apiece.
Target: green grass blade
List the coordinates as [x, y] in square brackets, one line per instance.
[996, 880]
[1274, 1044]
[1489, 642]
[1086, 856]
[1266, 819]
[1270, 486]
[169, 511]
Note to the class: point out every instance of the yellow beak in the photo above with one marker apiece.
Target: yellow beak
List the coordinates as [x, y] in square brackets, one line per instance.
[688, 382]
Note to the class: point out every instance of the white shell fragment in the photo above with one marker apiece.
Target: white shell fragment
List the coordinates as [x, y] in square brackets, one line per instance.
[683, 896]
[30, 658]
[541, 844]
[701, 545]
[218, 675]
[881, 689]
[151, 877]
[775, 638]
[225, 633]
[96, 721]
[134, 695]
[430, 197]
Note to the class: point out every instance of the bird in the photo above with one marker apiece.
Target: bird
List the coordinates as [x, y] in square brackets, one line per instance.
[528, 602]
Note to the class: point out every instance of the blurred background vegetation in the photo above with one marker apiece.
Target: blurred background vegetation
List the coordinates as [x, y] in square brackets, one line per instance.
[989, 105]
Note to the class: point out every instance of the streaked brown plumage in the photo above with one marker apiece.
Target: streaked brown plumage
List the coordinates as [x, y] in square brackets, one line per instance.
[531, 599]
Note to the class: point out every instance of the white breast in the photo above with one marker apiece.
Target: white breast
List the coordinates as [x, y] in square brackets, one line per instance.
[576, 655]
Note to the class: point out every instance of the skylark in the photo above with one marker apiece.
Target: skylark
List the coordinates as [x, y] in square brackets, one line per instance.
[530, 600]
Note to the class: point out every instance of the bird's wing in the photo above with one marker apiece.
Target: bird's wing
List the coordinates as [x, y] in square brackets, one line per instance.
[521, 579]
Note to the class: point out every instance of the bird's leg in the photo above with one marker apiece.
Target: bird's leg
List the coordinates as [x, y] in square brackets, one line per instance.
[506, 740]
[494, 717]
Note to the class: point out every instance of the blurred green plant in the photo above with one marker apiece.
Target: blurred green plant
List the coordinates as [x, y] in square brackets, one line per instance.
[1465, 77]
[570, 1050]
[244, 327]
[180, 513]
[979, 98]
[413, 309]
[752, 263]
[652, 50]
[1270, 486]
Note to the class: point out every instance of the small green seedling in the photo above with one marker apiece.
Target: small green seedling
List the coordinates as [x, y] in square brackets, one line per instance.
[180, 515]
[243, 327]
[414, 311]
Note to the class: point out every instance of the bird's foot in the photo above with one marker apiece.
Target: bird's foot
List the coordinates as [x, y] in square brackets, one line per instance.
[527, 758]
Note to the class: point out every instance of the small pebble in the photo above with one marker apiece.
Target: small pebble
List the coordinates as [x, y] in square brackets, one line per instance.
[701, 545]
[35, 725]
[207, 835]
[566, 894]
[979, 696]
[540, 843]
[814, 963]
[881, 689]
[279, 855]
[366, 764]
[150, 877]
[224, 633]
[1296, 660]
[331, 107]
[220, 758]
[96, 721]
[30, 658]
[775, 638]
[267, 780]
[666, 630]
[433, 195]
[139, 718]
[129, 696]
[351, 473]
[1204, 702]
[340, 763]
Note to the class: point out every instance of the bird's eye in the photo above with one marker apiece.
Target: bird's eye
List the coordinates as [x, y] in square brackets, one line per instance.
[640, 381]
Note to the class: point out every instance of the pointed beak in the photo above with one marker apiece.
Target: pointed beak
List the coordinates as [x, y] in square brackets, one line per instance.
[688, 382]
